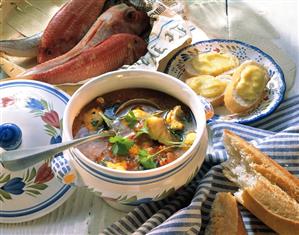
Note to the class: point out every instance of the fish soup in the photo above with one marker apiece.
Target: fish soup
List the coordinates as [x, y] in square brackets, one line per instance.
[151, 128]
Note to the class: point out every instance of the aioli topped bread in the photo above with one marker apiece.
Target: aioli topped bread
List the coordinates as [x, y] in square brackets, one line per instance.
[211, 63]
[210, 87]
[246, 90]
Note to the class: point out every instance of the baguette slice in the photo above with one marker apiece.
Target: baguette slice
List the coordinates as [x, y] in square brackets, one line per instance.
[191, 72]
[195, 85]
[219, 100]
[224, 207]
[267, 190]
[200, 64]
[234, 102]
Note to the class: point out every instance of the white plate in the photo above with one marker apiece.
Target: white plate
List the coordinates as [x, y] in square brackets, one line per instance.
[37, 108]
[275, 87]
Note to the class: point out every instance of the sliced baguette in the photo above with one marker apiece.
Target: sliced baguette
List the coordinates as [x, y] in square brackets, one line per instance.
[272, 206]
[259, 162]
[219, 100]
[191, 70]
[233, 102]
[267, 190]
[215, 101]
[224, 207]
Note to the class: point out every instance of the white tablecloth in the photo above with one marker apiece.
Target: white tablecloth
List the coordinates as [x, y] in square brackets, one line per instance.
[270, 25]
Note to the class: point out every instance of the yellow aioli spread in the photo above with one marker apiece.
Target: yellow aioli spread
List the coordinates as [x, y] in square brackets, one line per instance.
[207, 86]
[251, 83]
[213, 63]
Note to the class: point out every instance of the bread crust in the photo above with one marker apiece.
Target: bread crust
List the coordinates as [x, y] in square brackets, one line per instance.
[263, 164]
[241, 227]
[219, 100]
[216, 102]
[225, 206]
[270, 192]
[257, 206]
[233, 106]
[230, 93]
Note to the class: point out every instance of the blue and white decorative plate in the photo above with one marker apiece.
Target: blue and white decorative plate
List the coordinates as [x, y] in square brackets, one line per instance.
[37, 108]
[275, 88]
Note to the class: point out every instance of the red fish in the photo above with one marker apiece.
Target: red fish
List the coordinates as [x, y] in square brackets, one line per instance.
[67, 27]
[111, 54]
[117, 19]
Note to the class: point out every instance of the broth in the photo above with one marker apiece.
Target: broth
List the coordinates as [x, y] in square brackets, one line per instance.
[152, 130]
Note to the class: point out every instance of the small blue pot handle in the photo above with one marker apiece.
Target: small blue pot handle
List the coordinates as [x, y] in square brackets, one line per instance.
[208, 108]
[64, 170]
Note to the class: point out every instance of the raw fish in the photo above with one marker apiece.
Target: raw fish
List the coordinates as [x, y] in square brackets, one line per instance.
[117, 19]
[24, 47]
[111, 54]
[67, 27]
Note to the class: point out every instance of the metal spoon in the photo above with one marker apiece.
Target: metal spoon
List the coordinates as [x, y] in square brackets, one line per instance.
[136, 101]
[15, 160]
[21, 159]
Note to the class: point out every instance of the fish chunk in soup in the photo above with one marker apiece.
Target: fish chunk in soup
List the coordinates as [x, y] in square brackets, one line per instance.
[152, 129]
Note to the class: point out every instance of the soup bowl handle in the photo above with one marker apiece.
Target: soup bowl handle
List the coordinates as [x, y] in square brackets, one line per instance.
[64, 170]
[209, 111]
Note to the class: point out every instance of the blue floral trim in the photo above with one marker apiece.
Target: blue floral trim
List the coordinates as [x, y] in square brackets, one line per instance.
[242, 55]
[15, 186]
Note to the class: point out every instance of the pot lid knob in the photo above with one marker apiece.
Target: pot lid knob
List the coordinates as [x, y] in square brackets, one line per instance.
[10, 136]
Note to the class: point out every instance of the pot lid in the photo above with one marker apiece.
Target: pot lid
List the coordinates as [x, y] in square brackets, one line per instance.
[35, 110]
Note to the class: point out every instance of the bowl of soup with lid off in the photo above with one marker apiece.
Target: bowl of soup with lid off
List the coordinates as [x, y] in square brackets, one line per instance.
[158, 139]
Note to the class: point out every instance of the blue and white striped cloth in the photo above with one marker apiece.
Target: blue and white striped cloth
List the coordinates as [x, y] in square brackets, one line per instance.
[187, 212]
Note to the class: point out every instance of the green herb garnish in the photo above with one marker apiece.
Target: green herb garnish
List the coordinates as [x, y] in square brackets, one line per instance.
[121, 145]
[131, 119]
[146, 159]
[95, 123]
[108, 121]
[143, 130]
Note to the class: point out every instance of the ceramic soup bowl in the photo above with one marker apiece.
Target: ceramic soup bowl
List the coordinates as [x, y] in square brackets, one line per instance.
[131, 187]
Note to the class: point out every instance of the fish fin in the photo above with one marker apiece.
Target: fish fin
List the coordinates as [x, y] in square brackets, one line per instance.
[10, 68]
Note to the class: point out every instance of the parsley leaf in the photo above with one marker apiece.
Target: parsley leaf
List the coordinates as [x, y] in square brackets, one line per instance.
[146, 159]
[143, 130]
[131, 119]
[108, 121]
[121, 145]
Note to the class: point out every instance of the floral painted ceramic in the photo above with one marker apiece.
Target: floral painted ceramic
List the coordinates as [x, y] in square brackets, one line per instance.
[275, 87]
[37, 109]
[131, 187]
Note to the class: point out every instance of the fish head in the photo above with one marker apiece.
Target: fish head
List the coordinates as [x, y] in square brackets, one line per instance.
[137, 47]
[137, 21]
[127, 19]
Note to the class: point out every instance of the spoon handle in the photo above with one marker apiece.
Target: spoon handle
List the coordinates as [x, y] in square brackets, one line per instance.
[20, 159]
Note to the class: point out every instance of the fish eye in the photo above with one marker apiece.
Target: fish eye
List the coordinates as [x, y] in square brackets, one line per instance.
[130, 15]
[48, 51]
